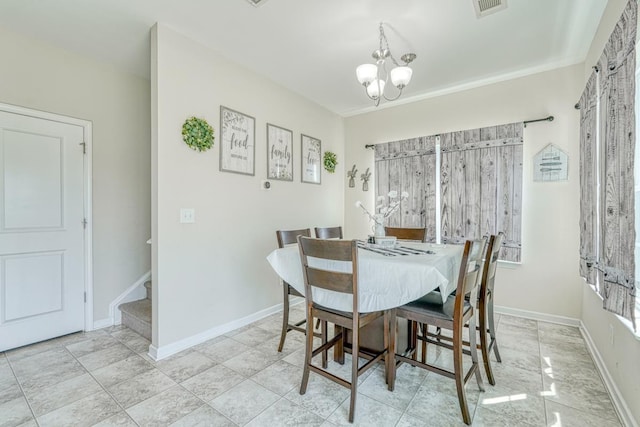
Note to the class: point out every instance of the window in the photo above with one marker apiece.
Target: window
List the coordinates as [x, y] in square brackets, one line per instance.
[462, 185]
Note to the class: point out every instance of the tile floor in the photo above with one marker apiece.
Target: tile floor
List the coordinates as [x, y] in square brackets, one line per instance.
[105, 378]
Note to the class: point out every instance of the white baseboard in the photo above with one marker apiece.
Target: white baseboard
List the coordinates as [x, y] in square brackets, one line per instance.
[162, 352]
[618, 401]
[534, 315]
[103, 323]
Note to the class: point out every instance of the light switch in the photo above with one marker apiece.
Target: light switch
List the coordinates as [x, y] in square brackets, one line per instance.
[187, 216]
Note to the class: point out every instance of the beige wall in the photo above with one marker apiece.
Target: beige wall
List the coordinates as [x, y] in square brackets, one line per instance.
[618, 347]
[547, 280]
[213, 272]
[36, 75]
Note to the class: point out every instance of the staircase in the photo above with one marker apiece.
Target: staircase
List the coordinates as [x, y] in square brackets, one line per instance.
[136, 315]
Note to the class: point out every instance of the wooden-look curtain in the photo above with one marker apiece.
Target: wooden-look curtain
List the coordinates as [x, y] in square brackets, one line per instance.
[588, 179]
[613, 241]
[409, 165]
[480, 179]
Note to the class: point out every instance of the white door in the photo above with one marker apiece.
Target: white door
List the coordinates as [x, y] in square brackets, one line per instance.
[41, 229]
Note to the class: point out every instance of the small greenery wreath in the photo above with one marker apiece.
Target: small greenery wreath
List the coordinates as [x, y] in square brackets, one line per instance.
[197, 134]
[330, 161]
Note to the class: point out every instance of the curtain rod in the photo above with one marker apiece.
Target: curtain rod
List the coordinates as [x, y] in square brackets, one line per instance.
[546, 119]
[526, 122]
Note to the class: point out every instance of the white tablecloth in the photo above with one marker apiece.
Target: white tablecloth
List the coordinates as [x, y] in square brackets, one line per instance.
[384, 281]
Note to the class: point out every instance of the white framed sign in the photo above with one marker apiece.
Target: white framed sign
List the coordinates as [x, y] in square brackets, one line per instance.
[311, 156]
[237, 142]
[279, 153]
[551, 164]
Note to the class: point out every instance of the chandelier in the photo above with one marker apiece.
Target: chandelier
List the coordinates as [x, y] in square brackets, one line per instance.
[375, 77]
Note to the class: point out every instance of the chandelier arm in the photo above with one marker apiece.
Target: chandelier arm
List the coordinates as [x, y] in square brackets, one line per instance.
[376, 101]
[394, 98]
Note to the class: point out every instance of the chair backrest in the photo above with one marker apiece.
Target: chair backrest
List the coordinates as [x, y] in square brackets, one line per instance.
[418, 234]
[287, 237]
[490, 264]
[469, 274]
[329, 250]
[329, 232]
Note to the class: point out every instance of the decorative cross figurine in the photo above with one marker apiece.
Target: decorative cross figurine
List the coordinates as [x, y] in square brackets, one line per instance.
[365, 180]
[352, 176]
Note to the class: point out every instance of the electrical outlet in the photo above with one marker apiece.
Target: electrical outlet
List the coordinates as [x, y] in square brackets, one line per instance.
[187, 216]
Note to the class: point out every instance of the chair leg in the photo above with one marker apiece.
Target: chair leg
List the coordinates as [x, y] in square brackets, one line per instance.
[391, 356]
[495, 350]
[338, 349]
[492, 330]
[285, 316]
[385, 339]
[323, 337]
[484, 344]
[308, 351]
[473, 349]
[424, 343]
[459, 375]
[413, 339]
[355, 350]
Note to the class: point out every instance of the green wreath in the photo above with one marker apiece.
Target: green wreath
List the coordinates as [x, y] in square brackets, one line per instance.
[330, 161]
[197, 134]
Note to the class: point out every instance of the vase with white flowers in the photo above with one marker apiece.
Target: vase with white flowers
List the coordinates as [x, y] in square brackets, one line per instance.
[383, 211]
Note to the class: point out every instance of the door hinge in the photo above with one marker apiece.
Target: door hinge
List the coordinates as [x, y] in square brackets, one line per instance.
[85, 297]
[84, 147]
[84, 223]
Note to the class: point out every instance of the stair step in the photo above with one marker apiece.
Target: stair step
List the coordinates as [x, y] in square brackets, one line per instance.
[136, 315]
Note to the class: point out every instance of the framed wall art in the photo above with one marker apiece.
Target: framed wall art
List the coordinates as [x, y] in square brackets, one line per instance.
[237, 142]
[551, 164]
[311, 156]
[279, 153]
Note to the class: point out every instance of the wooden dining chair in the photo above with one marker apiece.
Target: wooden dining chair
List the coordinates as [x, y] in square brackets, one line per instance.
[287, 237]
[329, 232]
[485, 323]
[417, 234]
[346, 283]
[452, 316]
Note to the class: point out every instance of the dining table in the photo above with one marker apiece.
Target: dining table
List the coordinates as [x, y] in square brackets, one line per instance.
[388, 277]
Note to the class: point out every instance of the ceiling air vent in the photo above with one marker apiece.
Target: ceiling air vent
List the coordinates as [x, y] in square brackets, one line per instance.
[257, 3]
[487, 7]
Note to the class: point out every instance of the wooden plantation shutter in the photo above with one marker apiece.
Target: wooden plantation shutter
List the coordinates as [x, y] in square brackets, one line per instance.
[409, 165]
[480, 184]
[481, 193]
[588, 180]
[617, 131]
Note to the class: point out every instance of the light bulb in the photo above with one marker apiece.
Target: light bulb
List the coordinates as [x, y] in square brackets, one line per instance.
[401, 76]
[366, 73]
[373, 90]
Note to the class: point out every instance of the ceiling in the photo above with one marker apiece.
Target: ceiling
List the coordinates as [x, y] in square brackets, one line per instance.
[312, 47]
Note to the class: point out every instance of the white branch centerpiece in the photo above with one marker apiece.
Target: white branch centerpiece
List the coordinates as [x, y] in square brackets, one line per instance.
[383, 211]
